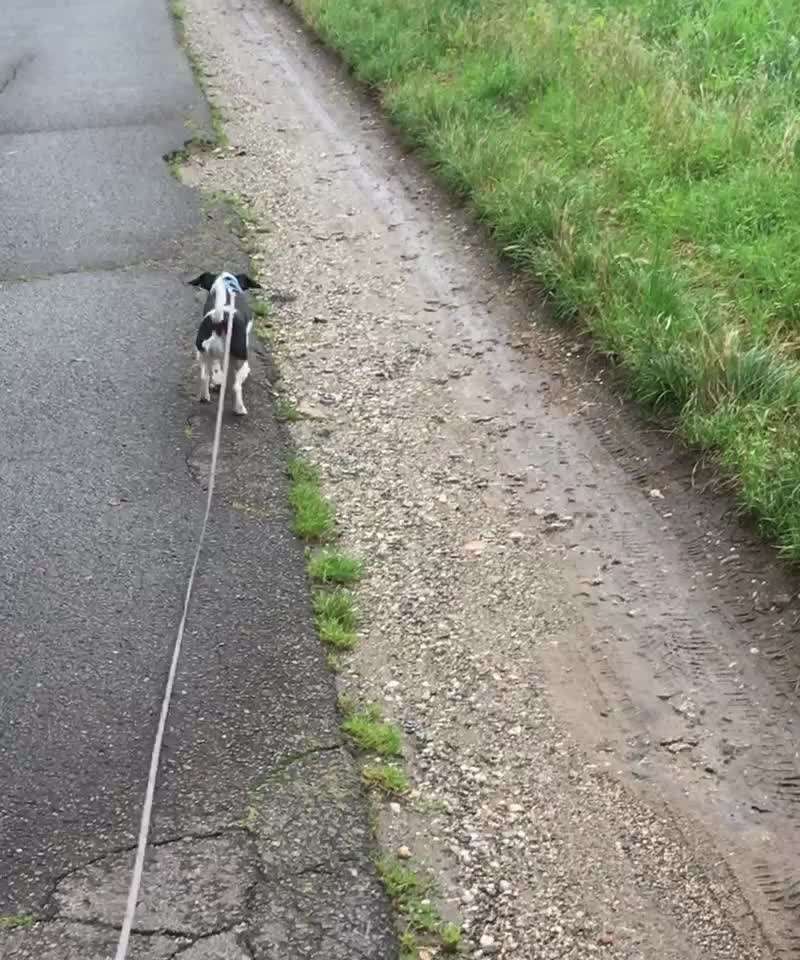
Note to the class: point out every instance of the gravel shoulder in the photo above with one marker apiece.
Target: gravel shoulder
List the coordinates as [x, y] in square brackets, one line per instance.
[593, 662]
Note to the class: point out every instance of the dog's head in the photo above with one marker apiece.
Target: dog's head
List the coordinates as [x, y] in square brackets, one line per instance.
[238, 282]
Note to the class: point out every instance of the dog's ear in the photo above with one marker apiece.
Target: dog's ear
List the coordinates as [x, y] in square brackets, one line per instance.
[246, 283]
[205, 280]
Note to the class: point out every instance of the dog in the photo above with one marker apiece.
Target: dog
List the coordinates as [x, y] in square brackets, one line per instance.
[226, 303]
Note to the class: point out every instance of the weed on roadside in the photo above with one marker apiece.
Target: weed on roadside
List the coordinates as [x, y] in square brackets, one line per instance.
[261, 309]
[240, 216]
[450, 936]
[390, 780]
[286, 411]
[333, 661]
[371, 733]
[336, 618]
[262, 313]
[313, 515]
[334, 566]
[16, 921]
[412, 896]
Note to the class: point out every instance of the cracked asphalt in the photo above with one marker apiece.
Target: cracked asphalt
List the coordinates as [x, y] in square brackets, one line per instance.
[261, 846]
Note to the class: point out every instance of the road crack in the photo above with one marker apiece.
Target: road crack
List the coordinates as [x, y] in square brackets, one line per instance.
[11, 76]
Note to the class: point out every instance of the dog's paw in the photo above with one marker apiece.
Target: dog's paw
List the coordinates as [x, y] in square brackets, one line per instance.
[240, 411]
[205, 398]
[215, 387]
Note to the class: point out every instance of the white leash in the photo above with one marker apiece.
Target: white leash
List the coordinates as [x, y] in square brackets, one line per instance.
[155, 758]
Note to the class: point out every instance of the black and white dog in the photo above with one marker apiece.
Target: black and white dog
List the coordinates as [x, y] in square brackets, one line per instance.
[226, 303]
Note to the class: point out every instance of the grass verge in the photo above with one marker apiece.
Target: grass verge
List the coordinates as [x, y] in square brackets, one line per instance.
[641, 159]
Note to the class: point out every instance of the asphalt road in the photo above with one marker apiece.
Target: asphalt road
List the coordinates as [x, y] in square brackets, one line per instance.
[102, 461]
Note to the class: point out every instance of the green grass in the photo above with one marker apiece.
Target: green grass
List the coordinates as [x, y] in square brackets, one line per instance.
[240, 213]
[410, 892]
[450, 934]
[336, 618]
[412, 896]
[371, 733]
[286, 411]
[313, 515]
[390, 780]
[641, 159]
[334, 566]
[261, 309]
[16, 920]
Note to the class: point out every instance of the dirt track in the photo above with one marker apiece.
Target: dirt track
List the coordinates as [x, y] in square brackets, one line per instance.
[565, 615]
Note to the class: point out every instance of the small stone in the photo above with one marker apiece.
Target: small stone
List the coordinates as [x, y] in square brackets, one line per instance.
[395, 808]
[487, 943]
[655, 494]
[404, 853]
[474, 546]
[516, 536]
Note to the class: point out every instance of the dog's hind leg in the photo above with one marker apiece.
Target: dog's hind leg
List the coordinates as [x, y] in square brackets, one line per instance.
[205, 377]
[241, 374]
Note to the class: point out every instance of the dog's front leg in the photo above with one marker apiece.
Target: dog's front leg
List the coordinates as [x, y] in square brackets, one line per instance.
[205, 378]
[242, 372]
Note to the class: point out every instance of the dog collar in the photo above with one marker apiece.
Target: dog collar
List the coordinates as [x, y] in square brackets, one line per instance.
[231, 283]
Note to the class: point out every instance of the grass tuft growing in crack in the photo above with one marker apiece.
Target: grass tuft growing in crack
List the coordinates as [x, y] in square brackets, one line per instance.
[334, 566]
[390, 780]
[336, 618]
[371, 733]
[313, 515]
[411, 893]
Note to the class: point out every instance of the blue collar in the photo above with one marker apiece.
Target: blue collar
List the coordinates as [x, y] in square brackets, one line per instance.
[231, 283]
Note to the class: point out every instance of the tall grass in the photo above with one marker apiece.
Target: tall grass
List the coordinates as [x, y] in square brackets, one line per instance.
[642, 159]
